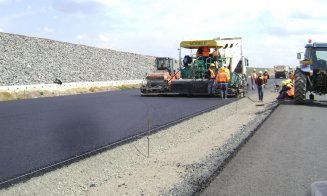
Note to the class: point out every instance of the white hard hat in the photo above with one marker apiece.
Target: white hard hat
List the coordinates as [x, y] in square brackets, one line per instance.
[260, 72]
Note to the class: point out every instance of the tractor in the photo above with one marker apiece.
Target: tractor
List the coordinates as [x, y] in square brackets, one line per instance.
[311, 75]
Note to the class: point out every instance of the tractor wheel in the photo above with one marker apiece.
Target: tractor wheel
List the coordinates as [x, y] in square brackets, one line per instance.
[299, 87]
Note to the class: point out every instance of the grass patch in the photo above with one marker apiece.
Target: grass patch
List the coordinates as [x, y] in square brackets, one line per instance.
[129, 86]
[5, 96]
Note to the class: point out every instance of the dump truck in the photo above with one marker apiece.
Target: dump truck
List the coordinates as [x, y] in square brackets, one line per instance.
[311, 74]
[193, 69]
[281, 71]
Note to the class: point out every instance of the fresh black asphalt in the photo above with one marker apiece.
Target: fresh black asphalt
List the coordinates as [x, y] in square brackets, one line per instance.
[38, 133]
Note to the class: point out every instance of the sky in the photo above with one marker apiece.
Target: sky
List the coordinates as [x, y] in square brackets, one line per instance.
[272, 32]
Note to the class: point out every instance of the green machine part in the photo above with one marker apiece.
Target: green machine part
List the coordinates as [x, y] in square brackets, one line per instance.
[186, 72]
[200, 68]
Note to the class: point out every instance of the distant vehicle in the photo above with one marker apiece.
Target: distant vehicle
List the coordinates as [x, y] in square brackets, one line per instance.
[311, 75]
[281, 71]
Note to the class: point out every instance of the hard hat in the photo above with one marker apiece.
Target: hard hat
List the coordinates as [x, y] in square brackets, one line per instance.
[260, 72]
[283, 82]
[212, 65]
[286, 82]
[254, 70]
[266, 70]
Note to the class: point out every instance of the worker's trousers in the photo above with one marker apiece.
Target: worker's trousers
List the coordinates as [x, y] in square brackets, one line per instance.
[260, 93]
[223, 89]
[211, 86]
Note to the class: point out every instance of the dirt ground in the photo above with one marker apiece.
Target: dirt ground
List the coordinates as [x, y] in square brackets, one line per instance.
[175, 161]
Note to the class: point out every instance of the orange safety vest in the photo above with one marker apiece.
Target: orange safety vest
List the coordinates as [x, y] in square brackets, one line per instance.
[205, 51]
[265, 79]
[222, 77]
[290, 92]
[212, 73]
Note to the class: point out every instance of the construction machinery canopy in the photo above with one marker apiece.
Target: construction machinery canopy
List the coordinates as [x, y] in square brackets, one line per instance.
[200, 43]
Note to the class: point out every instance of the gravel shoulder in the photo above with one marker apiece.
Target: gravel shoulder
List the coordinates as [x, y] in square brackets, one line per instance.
[181, 158]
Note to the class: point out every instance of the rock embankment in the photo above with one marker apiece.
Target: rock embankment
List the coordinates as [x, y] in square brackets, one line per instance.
[29, 60]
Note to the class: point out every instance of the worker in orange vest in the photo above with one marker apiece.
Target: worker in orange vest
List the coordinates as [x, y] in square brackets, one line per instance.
[205, 53]
[211, 81]
[287, 90]
[265, 77]
[222, 82]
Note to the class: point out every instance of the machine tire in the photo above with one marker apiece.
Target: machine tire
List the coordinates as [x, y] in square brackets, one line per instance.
[299, 87]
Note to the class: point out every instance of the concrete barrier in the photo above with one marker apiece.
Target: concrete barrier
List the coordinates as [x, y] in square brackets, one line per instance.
[67, 86]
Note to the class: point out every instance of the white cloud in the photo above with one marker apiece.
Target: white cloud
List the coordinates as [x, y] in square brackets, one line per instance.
[103, 38]
[48, 30]
[81, 36]
[82, 6]
[109, 2]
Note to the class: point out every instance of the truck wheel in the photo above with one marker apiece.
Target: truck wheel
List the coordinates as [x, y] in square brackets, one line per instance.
[299, 87]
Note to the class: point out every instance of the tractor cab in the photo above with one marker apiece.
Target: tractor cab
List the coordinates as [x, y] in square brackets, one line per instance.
[317, 52]
[165, 63]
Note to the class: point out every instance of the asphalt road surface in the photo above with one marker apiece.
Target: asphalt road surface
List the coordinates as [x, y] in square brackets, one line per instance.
[39, 133]
[285, 155]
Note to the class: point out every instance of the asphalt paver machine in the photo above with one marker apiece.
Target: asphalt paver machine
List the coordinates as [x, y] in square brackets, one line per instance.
[191, 78]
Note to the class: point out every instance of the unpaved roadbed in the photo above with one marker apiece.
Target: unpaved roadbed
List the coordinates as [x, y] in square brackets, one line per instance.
[181, 159]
